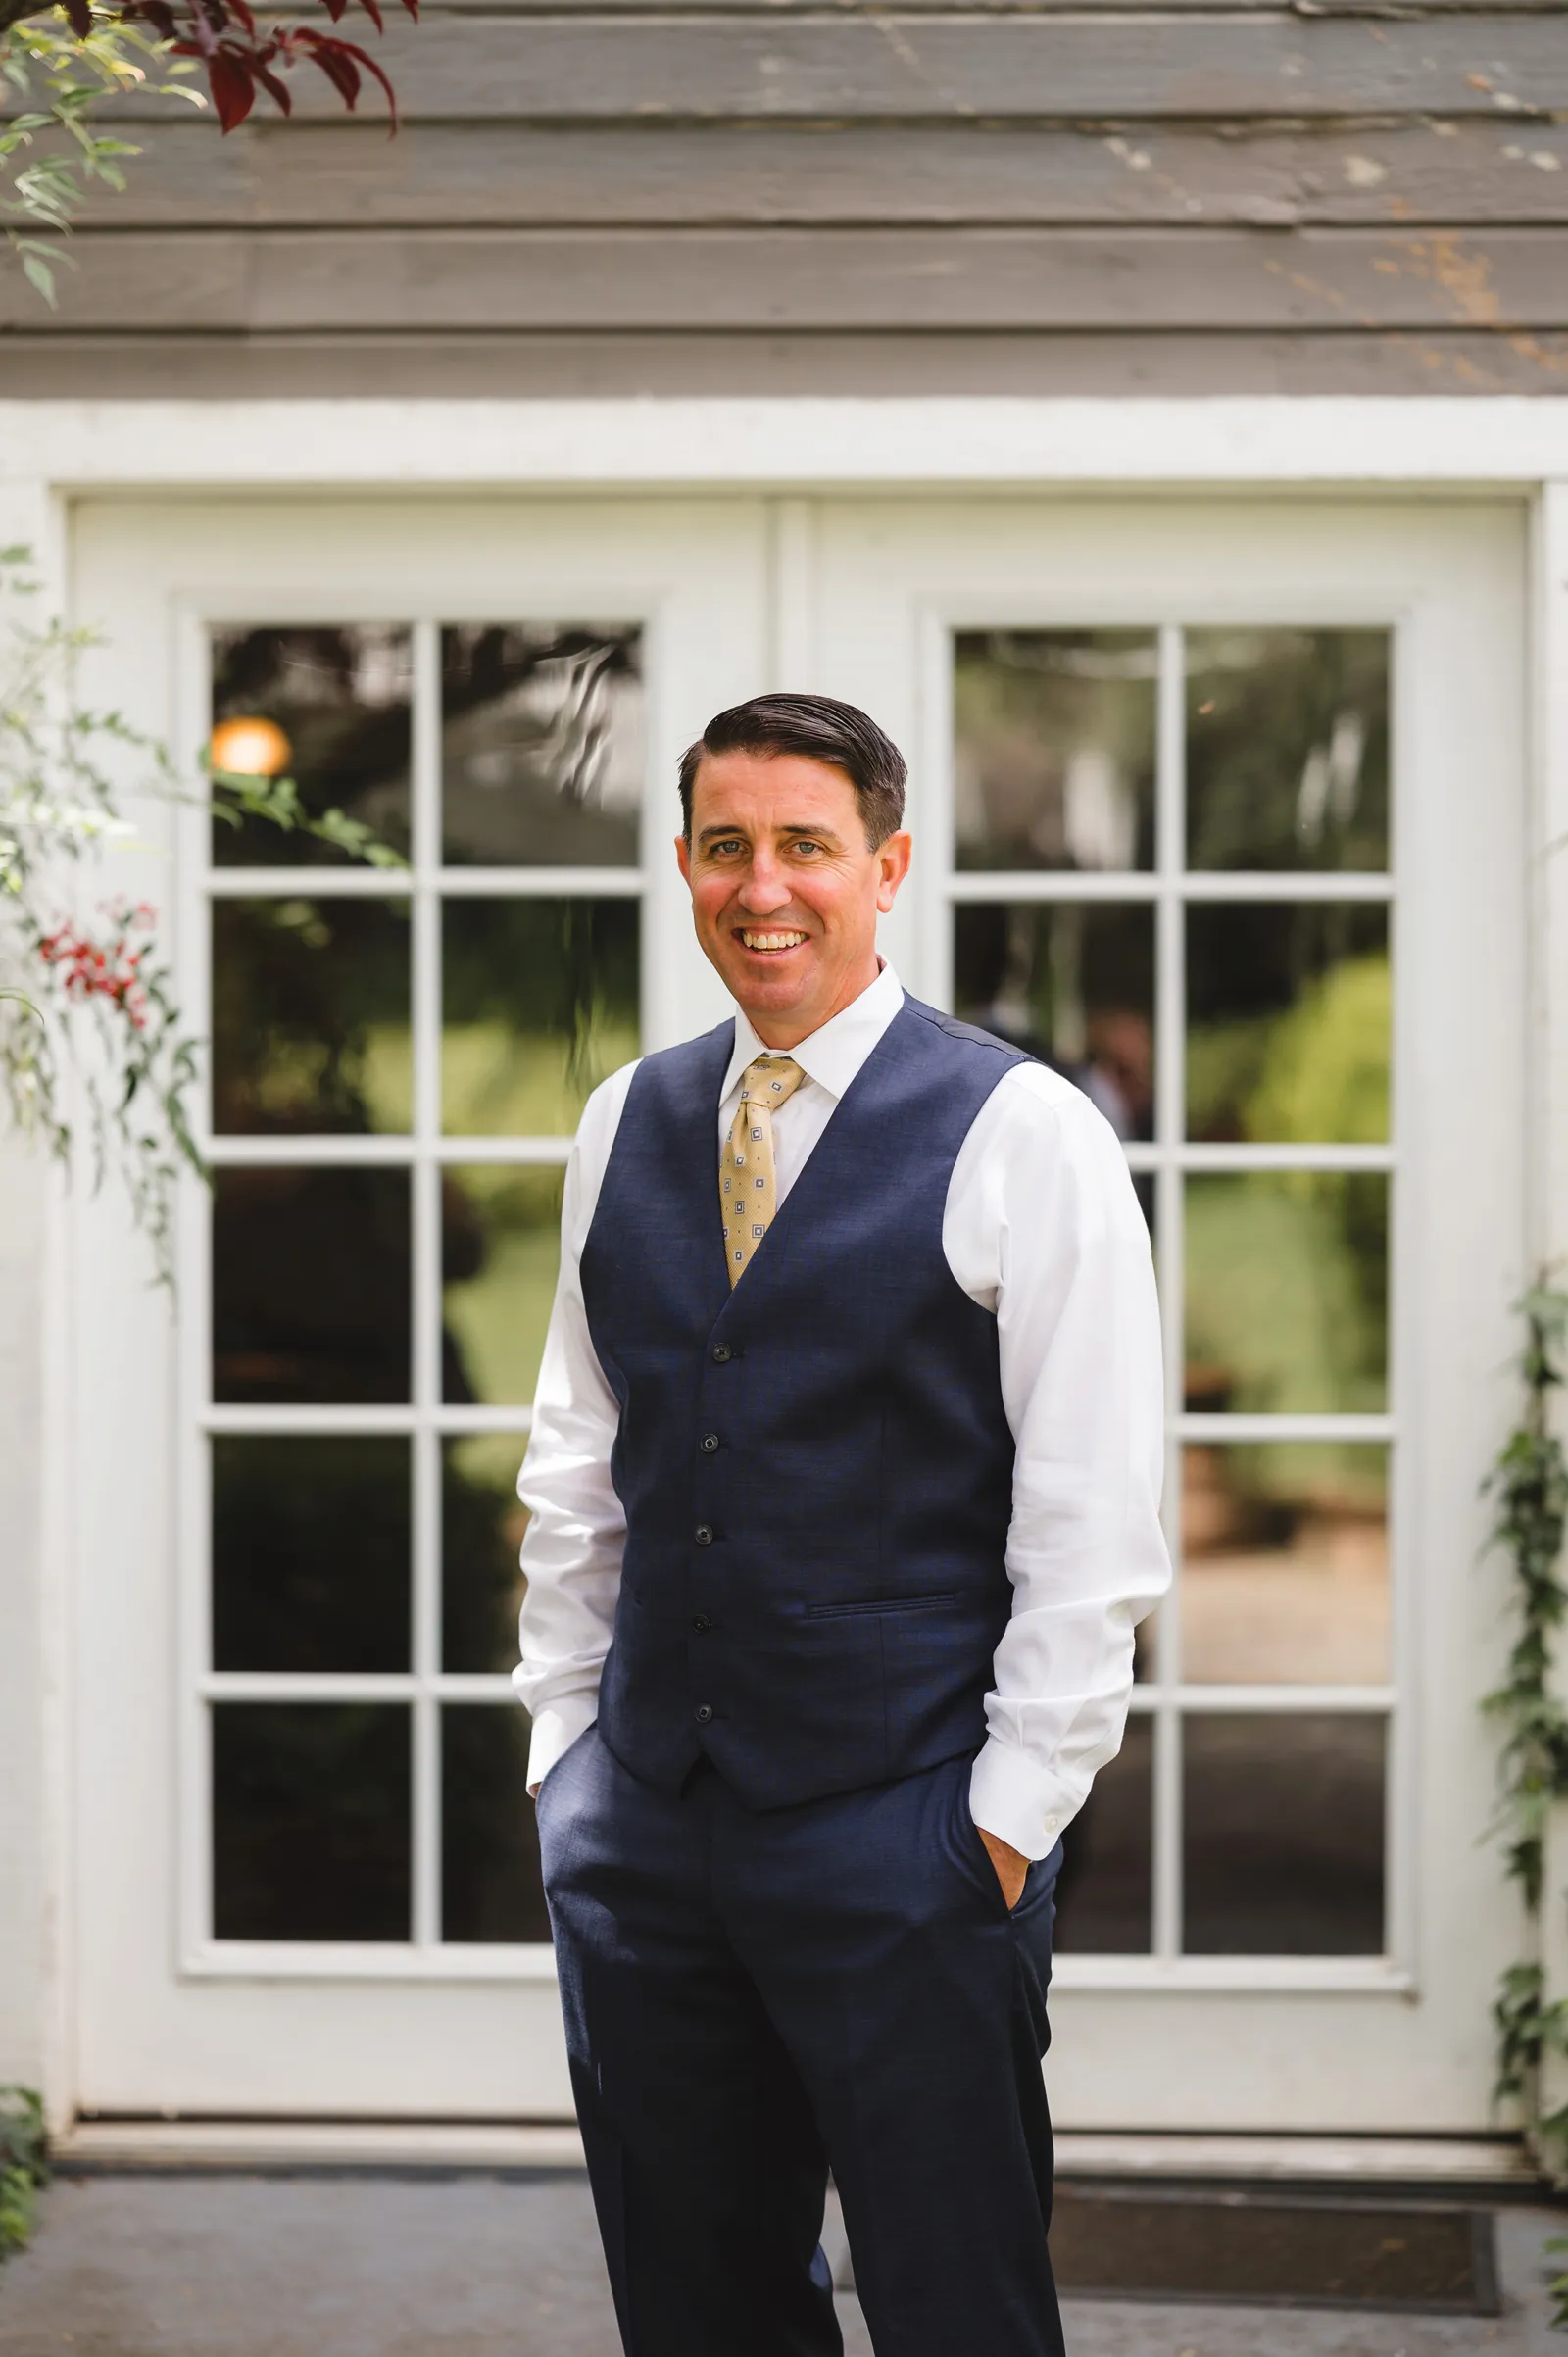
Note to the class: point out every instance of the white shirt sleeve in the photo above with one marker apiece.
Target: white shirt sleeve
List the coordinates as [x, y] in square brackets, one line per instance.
[1041, 1225]
[577, 1530]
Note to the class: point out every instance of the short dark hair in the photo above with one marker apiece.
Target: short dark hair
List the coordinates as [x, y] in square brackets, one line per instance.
[822, 729]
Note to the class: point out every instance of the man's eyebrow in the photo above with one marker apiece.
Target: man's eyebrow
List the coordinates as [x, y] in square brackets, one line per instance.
[791, 826]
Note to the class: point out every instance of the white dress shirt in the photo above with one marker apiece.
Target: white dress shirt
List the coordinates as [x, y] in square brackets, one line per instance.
[1041, 1228]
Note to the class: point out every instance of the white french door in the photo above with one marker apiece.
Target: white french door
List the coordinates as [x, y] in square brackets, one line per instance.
[1221, 811]
[1219, 808]
[308, 1875]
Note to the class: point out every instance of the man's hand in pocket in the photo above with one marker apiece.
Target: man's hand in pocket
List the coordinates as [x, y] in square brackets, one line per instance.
[1010, 1864]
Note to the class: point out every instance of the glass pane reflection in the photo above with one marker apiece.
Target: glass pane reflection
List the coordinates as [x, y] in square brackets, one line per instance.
[311, 1541]
[540, 1004]
[1288, 749]
[542, 752]
[310, 1821]
[1105, 1894]
[1285, 1565]
[311, 1015]
[1072, 984]
[482, 1522]
[1284, 1833]
[1288, 1011]
[500, 1248]
[338, 704]
[1286, 1293]
[1054, 753]
[490, 1884]
[310, 1286]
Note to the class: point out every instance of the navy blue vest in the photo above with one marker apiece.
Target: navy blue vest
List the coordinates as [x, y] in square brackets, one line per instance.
[816, 1467]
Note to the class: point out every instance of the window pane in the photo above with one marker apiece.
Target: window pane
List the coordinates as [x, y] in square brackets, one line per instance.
[1288, 1014]
[541, 1004]
[490, 1886]
[310, 1554]
[1288, 749]
[1285, 1565]
[482, 1522]
[1284, 1834]
[542, 752]
[334, 707]
[1054, 754]
[1074, 985]
[1103, 1896]
[1286, 1293]
[310, 1820]
[310, 1286]
[500, 1248]
[311, 1015]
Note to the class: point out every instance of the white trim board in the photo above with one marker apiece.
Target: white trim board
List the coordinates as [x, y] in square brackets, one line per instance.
[796, 443]
[243, 2145]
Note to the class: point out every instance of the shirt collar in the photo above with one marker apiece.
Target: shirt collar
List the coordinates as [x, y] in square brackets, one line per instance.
[834, 1054]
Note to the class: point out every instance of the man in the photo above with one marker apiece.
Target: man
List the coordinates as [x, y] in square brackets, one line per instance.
[844, 1482]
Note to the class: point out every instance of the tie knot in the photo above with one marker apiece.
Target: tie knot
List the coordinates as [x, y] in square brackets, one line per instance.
[769, 1080]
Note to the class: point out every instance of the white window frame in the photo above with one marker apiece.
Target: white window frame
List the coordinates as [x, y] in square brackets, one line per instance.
[1168, 886]
[425, 1150]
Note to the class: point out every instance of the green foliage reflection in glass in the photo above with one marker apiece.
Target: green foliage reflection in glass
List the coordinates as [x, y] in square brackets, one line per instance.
[311, 1016]
[1053, 749]
[342, 699]
[1286, 1293]
[540, 1004]
[1288, 749]
[1289, 1019]
[501, 1249]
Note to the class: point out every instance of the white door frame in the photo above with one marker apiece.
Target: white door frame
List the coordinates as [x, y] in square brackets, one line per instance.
[56, 451]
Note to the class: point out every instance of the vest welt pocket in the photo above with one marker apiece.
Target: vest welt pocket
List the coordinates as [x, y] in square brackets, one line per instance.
[880, 1604]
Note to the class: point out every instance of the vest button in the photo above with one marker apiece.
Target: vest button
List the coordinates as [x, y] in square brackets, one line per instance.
[705, 1533]
[702, 1623]
[703, 1713]
[709, 1443]
[721, 1353]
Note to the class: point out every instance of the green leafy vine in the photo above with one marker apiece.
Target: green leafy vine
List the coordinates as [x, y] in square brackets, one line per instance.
[97, 1062]
[23, 2165]
[1530, 1485]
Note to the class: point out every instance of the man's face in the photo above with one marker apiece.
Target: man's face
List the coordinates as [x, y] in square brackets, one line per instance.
[785, 892]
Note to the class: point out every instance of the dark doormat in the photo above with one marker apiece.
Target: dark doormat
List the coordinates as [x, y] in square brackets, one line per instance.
[1273, 2249]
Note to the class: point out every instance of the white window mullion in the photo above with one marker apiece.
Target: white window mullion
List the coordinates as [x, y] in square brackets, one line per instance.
[426, 1014]
[1171, 1093]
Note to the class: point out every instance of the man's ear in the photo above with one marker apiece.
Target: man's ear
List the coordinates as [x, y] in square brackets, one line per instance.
[683, 856]
[894, 854]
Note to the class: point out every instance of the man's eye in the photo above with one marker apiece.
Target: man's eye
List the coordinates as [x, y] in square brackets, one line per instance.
[804, 843]
[720, 851]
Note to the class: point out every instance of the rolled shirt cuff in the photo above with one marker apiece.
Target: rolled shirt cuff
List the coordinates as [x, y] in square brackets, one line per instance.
[555, 1727]
[1019, 1800]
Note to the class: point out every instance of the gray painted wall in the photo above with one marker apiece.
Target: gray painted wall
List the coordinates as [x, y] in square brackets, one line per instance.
[1358, 198]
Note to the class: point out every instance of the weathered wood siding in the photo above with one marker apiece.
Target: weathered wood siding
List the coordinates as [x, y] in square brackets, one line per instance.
[915, 197]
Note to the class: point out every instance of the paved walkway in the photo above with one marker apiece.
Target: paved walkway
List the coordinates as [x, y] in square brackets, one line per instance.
[482, 2266]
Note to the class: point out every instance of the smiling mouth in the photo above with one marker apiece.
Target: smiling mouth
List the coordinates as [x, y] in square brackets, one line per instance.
[770, 944]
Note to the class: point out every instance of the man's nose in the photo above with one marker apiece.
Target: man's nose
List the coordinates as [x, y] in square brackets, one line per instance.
[766, 889]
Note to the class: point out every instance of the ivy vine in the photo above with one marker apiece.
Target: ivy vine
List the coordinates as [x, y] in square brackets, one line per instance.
[24, 2166]
[1530, 1485]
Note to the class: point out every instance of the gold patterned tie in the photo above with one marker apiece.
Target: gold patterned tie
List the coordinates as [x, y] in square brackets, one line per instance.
[748, 1176]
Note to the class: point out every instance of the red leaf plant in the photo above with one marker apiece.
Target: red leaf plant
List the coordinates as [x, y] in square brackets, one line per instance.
[110, 969]
[240, 58]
